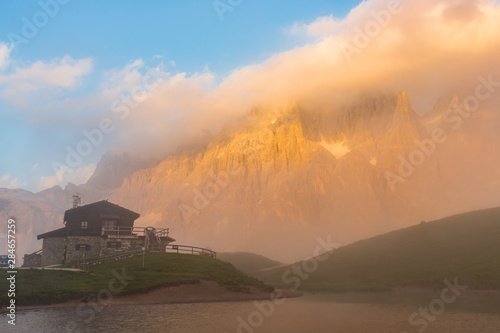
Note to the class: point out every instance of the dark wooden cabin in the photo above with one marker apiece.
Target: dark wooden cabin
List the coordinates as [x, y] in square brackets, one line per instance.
[97, 229]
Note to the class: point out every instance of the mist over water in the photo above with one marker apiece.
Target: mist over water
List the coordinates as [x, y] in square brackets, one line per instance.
[318, 313]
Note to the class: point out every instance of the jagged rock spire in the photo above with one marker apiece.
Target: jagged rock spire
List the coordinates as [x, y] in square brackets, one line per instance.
[406, 126]
[403, 112]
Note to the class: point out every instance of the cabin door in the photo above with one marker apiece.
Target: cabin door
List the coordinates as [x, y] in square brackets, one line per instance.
[109, 227]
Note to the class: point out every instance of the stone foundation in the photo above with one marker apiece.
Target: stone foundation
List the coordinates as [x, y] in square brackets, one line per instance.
[80, 248]
[32, 260]
[53, 251]
[84, 247]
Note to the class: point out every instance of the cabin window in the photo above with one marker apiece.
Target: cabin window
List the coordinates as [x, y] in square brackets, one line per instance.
[114, 245]
[82, 247]
[84, 225]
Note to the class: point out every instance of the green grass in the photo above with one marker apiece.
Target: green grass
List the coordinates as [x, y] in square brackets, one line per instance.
[161, 269]
[248, 263]
[466, 246]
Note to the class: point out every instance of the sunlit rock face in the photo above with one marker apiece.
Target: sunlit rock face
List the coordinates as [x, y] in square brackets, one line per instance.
[277, 179]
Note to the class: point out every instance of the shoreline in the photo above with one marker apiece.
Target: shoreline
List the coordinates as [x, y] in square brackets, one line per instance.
[203, 292]
[210, 292]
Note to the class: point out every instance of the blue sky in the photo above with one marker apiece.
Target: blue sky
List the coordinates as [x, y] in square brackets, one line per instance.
[40, 116]
[188, 31]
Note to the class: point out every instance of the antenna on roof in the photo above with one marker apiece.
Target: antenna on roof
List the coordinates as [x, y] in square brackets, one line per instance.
[77, 200]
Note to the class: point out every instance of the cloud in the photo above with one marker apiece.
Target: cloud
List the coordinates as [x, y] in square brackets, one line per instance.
[125, 78]
[64, 175]
[176, 110]
[425, 47]
[462, 11]
[62, 73]
[7, 181]
[4, 55]
[25, 85]
[320, 27]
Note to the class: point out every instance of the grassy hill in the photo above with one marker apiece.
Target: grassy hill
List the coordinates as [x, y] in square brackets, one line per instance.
[248, 262]
[466, 246]
[161, 269]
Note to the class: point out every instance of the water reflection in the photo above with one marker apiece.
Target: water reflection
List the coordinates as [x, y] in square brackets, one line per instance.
[339, 313]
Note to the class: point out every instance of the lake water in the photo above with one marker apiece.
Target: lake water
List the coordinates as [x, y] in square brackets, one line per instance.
[315, 313]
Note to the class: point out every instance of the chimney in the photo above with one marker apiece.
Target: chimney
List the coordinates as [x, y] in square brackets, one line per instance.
[76, 200]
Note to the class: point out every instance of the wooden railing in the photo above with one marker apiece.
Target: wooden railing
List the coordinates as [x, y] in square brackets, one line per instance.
[34, 253]
[133, 231]
[191, 250]
[86, 264]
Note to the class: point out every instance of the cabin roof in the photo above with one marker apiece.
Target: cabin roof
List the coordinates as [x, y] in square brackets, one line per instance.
[103, 209]
[62, 232]
[92, 212]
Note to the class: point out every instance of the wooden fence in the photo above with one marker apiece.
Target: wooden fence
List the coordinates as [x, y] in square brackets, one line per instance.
[190, 250]
[123, 255]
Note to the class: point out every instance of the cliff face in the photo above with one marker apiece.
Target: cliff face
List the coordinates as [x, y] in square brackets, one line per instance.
[114, 167]
[280, 179]
[275, 181]
[240, 190]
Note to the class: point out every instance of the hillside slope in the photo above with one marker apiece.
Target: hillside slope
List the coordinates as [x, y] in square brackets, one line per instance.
[248, 263]
[465, 246]
[160, 270]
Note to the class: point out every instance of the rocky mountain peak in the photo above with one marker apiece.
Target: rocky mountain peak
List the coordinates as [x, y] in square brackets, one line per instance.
[115, 166]
[406, 125]
[443, 104]
[404, 111]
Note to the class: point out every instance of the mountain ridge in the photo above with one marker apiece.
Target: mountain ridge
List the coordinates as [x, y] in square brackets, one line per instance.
[294, 173]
